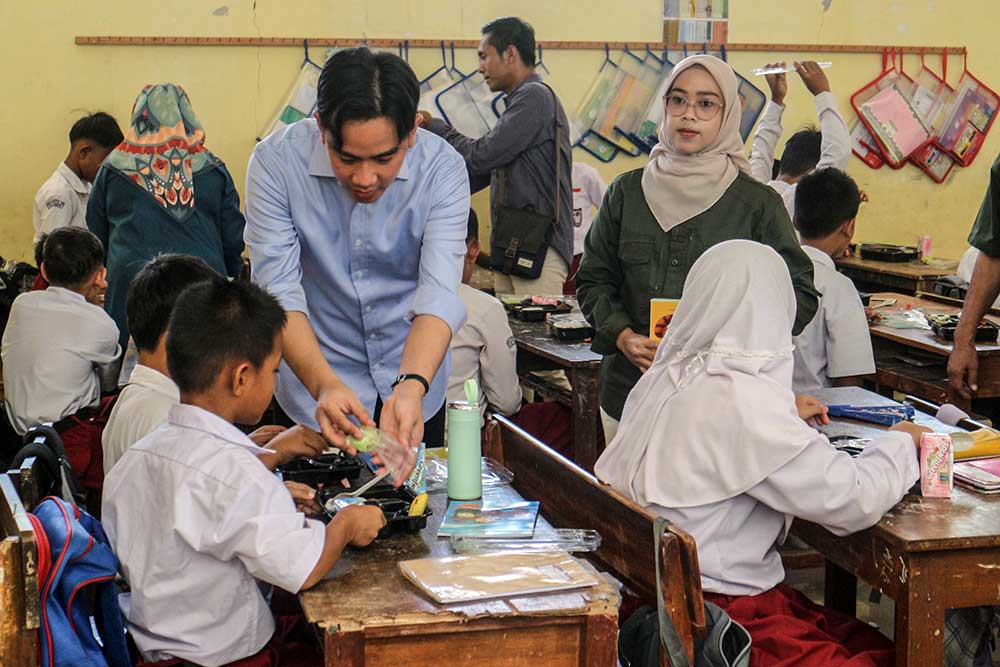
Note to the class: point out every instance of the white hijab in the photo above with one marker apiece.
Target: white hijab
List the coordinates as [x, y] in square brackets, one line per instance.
[678, 187]
[715, 414]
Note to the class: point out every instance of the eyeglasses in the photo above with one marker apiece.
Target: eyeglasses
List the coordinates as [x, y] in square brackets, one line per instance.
[704, 108]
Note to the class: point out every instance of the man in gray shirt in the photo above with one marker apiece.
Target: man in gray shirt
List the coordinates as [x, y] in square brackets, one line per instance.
[516, 157]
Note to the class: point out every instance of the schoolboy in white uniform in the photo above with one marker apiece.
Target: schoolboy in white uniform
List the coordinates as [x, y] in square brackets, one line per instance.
[484, 347]
[62, 199]
[835, 349]
[60, 349]
[588, 193]
[807, 149]
[192, 512]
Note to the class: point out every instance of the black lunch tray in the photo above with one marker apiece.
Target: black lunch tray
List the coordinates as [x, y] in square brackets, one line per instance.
[888, 253]
[986, 332]
[325, 469]
[395, 505]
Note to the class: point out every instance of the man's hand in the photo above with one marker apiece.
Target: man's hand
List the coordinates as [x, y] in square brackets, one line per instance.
[266, 434]
[778, 84]
[304, 497]
[912, 430]
[362, 523]
[813, 76]
[403, 414]
[638, 349]
[963, 368]
[297, 442]
[811, 411]
[333, 405]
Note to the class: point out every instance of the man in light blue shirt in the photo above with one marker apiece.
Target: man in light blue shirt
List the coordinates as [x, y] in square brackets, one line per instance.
[356, 222]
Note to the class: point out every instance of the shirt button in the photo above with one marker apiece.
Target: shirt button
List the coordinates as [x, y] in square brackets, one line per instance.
[673, 262]
[371, 337]
[368, 309]
[357, 243]
[359, 274]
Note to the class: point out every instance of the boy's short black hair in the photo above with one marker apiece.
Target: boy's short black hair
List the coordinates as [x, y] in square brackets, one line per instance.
[802, 152]
[824, 200]
[100, 127]
[473, 233]
[216, 322]
[512, 31]
[155, 289]
[360, 84]
[71, 255]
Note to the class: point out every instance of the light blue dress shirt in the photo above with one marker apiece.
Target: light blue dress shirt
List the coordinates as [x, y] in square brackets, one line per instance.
[360, 272]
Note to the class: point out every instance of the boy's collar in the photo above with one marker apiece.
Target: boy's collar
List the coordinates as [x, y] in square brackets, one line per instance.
[200, 419]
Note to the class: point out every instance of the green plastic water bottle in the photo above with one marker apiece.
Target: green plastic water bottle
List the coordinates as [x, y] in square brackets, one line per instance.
[465, 481]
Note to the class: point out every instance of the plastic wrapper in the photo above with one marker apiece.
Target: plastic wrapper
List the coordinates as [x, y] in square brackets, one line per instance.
[887, 415]
[563, 539]
[454, 579]
[905, 319]
[436, 474]
[395, 457]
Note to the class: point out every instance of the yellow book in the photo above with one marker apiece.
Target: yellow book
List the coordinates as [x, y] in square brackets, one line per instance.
[661, 311]
[976, 444]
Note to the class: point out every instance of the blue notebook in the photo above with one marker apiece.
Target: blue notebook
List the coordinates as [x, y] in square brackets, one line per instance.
[472, 517]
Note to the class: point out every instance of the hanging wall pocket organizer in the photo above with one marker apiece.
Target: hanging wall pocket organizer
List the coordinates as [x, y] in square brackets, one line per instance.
[300, 102]
[885, 108]
[467, 104]
[970, 120]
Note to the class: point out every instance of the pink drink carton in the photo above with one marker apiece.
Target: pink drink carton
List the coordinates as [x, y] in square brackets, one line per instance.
[937, 460]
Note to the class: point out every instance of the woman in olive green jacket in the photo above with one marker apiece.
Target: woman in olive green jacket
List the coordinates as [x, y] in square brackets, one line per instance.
[696, 191]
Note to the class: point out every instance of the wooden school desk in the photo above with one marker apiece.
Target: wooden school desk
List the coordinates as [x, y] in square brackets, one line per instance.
[538, 351]
[896, 348]
[927, 554]
[369, 615]
[908, 277]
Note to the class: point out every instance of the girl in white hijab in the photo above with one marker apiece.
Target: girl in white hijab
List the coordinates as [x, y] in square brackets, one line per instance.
[711, 439]
[655, 222]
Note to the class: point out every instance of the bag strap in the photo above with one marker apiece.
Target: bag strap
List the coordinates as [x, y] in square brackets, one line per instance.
[670, 641]
[555, 133]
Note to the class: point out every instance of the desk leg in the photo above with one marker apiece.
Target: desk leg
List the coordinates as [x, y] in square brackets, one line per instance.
[840, 589]
[600, 641]
[919, 623]
[344, 649]
[585, 417]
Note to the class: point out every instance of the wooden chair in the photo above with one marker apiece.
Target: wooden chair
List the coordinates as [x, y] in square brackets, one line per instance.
[573, 498]
[18, 563]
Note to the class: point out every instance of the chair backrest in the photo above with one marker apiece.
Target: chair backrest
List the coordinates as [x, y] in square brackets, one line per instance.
[572, 498]
[19, 590]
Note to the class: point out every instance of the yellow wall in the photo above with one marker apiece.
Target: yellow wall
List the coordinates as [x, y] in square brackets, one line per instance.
[49, 81]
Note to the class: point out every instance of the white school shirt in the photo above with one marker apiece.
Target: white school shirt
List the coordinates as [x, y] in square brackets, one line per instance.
[836, 343]
[141, 406]
[968, 265]
[738, 538]
[195, 520]
[484, 349]
[55, 349]
[588, 193]
[835, 148]
[60, 202]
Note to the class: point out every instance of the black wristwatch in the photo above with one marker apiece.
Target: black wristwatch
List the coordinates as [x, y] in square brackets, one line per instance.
[412, 376]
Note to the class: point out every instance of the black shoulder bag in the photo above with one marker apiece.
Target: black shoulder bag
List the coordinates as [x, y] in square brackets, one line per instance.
[521, 237]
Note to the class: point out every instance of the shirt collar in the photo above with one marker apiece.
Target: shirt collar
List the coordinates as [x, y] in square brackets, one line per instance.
[151, 378]
[199, 419]
[74, 181]
[319, 161]
[531, 78]
[66, 293]
[818, 255]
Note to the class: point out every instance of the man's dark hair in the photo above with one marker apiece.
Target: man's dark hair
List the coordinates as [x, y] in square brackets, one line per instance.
[473, 233]
[824, 200]
[155, 289]
[218, 321]
[360, 84]
[802, 151]
[512, 31]
[71, 255]
[100, 127]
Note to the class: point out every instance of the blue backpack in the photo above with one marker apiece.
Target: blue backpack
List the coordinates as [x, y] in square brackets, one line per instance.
[81, 624]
